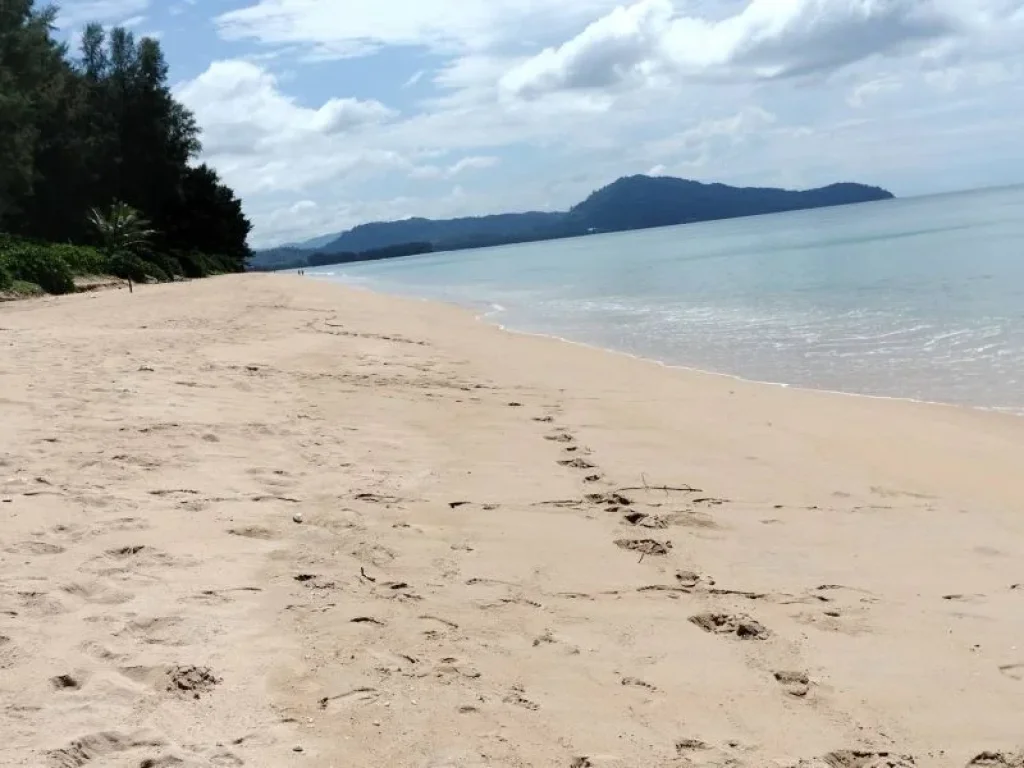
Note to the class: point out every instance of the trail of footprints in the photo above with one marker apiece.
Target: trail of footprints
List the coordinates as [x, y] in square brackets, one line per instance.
[644, 537]
[739, 626]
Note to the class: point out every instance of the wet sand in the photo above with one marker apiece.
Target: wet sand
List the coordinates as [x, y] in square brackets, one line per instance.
[259, 520]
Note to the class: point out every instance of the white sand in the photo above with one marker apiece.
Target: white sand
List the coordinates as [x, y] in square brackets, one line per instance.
[464, 601]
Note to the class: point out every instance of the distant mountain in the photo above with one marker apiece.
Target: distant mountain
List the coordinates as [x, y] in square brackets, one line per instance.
[313, 244]
[639, 202]
[383, 234]
[632, 202]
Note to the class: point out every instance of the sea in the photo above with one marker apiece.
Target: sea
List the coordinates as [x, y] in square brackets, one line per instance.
[917, 298]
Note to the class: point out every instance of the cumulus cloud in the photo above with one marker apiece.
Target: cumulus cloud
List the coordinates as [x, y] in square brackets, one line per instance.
[262, 139]
[767, 39]
[242, 109]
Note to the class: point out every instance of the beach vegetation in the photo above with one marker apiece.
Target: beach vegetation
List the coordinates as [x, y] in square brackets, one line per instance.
[99, 170]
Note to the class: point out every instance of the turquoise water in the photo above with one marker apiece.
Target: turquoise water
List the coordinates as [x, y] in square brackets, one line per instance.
[920, 298]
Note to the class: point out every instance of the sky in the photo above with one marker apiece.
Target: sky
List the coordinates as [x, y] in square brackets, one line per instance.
[323, 114]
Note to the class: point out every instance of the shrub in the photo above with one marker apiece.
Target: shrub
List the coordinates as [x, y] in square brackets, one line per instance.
[6, 278]
[169, 266]
[155, 272]
[25, 289]
[193, 263]
[82, 260]
[38, 264]
[128, 266]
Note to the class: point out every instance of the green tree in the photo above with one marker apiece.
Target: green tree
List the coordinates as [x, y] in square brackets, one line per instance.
[208, 217]
[32, 69]
[76, 133]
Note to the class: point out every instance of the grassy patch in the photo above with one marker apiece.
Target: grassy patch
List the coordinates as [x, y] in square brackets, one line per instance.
[25, 288]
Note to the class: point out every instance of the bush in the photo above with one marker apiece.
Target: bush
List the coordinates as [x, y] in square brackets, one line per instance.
[38, 264]
[128, 266]
[193, 263]
[168, 266]
[6, 278]
[82, 260]
[155, 272]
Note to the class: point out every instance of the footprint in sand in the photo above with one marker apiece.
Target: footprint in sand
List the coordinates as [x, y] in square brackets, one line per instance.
[148, 748]
[795, 684]
[743, 627]
[67, 682]
[998, 760]
[691, 579]
[188, 681]
[577, 463]
[643, 520]
[517, 697]
[636, 682]
[644, 546]
[855, 758]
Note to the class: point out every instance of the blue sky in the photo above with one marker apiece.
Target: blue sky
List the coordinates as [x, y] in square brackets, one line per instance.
[322, 114]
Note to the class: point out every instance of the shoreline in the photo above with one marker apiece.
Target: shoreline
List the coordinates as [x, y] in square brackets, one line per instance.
[1002, 410]
[254, 520]
[486, 318]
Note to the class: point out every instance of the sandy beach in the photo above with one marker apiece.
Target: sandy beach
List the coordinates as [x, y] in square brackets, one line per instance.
[264, 521]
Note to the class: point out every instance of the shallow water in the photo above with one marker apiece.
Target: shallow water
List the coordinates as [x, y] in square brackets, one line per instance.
[920, 298]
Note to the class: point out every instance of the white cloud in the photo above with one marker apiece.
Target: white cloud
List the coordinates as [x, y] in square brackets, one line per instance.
[76, 13]
[766, 39]
[263, 140]
[348, 27]
[242, 110]
[465, 164]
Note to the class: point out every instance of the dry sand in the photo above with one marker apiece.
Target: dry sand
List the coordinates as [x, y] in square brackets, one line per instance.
[512, 551]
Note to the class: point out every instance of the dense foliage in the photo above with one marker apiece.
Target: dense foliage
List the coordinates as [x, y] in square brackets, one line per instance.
[634, 202]
[99, 132]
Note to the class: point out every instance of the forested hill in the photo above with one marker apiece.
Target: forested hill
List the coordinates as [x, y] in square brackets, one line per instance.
[95, 151]
[633, 202]
[638, 202]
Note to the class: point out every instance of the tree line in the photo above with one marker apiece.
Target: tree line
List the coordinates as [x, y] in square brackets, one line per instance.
[96, 153]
